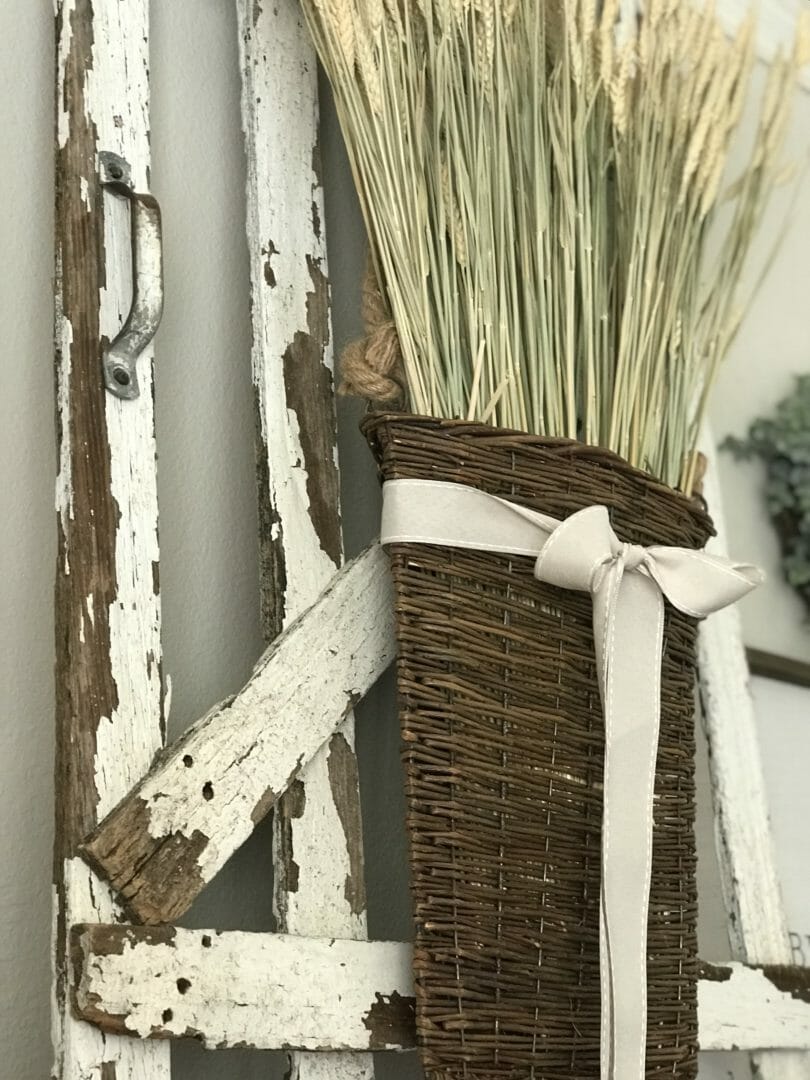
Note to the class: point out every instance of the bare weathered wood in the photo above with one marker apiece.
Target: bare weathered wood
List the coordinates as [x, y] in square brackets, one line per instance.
[108, 684]
[274, 991]
[319, 885]
[757, 929]
[269, 991]
[207, 793]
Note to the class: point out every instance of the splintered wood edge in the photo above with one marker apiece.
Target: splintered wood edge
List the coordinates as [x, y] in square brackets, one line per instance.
[207, 793]
[280, 992]
[235, 989]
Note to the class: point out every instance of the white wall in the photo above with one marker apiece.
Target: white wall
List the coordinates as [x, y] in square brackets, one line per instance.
[204, 418]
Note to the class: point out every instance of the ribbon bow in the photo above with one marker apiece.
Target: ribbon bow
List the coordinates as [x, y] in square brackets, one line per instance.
[628, 584]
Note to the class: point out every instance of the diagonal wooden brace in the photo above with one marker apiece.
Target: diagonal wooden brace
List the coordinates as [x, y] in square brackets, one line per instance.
[275, 991]
[205, 794]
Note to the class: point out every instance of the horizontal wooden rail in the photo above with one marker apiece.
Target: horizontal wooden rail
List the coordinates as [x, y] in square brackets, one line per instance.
[274, 991]
[268, 991]
[162, 844]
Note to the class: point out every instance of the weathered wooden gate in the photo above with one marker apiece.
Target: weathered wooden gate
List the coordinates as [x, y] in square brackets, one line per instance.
[141, 830]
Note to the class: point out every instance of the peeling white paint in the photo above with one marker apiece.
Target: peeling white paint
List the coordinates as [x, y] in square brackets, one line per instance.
[757, 928]
[268, 991]
[289, 707]
[287, 239]
[747, 1012]
[64, 477]
[280, 116]
[271, 991]
[116, 83]
[321, 855]
[83, 1049]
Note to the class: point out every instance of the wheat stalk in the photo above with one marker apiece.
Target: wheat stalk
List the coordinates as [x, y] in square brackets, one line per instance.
[545, 193]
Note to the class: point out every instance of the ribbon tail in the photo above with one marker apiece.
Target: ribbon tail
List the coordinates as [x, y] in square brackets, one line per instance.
[628, 628]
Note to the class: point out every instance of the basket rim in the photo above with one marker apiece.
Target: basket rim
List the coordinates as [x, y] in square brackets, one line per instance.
[375, 420]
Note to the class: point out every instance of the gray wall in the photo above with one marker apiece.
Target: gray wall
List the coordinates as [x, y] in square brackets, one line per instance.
[208, 519]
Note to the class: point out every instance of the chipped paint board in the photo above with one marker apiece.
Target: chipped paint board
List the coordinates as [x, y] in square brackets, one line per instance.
[206, 794]
[745, 1008]
[276, 991]
[268, 991]
[108, 682]
[319, 881]
[757, 927]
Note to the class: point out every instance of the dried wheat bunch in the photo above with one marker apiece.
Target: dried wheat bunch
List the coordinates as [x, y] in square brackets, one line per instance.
[542, 186]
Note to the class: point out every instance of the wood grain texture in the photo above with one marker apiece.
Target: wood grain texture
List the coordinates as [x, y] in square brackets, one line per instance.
[757, 929]
[206, 794]
[108, 683]
[319, 882]
[268, 991]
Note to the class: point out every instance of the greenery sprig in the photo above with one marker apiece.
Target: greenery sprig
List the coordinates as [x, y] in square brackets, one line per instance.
[782, 442]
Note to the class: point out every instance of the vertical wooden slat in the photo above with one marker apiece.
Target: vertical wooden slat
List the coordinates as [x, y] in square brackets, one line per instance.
[108, 681]
[319, 881]
[757, 928]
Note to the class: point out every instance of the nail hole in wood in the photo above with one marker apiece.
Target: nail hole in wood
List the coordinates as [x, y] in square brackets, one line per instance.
[188, 760]
[206, 941]
[183, 985]
[208, 790]
[167, 1015]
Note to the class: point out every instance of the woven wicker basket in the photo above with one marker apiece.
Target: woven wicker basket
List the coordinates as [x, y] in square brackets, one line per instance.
[503, 746]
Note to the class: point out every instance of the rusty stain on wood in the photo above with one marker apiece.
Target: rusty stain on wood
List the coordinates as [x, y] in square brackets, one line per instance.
[308, 384]
[344, 782]
[391, 1021]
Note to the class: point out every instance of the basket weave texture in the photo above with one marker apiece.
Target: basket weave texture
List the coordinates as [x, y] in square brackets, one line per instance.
[503, 745]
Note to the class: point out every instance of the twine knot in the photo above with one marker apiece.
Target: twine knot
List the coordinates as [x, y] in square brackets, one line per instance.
[372, 366]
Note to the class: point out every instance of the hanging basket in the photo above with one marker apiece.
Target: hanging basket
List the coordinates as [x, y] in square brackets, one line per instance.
[503, 745]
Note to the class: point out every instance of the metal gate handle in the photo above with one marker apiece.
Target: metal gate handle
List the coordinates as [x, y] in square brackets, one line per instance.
[120, 356]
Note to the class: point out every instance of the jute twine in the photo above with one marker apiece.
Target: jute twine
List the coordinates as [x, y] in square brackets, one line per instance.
[372, 366]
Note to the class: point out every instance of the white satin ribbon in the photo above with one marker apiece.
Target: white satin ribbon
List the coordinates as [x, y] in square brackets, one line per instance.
[628, 584]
